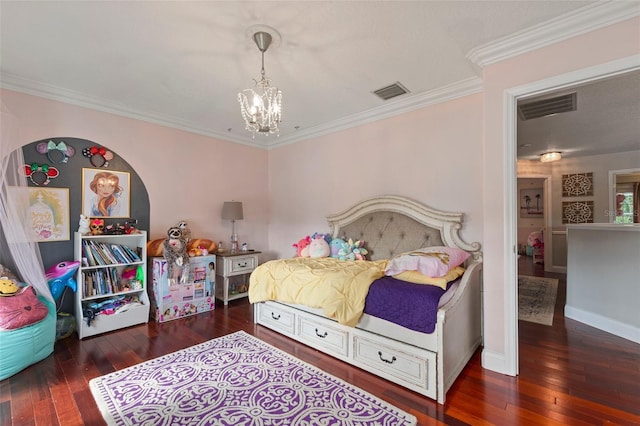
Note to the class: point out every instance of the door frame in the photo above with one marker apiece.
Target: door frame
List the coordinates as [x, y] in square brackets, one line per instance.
[509, 167]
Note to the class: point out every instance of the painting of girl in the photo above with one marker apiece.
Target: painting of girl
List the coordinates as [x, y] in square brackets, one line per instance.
[105, 193]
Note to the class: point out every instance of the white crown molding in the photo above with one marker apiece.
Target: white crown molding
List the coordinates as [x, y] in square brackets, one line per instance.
[452, 91]
[572, 24]
[47, 91]
[456, 90]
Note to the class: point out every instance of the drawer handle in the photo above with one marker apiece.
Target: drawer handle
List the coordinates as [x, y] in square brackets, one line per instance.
[243, 265]
[323, 335]
[393, 359]
[275, 317]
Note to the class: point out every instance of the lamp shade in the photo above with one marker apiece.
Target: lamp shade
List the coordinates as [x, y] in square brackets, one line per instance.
[232, 210]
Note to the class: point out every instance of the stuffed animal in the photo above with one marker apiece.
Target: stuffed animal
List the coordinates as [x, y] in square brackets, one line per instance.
[83, 225]
[8, 287]
[186, 232]
[62, 275]
[97, 226]
[174, 250]
[335, 245]
[302, 247]
[319, 247]
[327, 237]
[353, 250]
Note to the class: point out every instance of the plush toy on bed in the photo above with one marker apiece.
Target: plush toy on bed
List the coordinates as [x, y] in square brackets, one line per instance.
[335, 245]
[174, 250]
[351, 250]
[302, 247]
[319, 247]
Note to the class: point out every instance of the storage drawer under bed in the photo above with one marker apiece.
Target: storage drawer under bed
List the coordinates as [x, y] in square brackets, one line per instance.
[323, 336]
[404, 362]
[274, 317]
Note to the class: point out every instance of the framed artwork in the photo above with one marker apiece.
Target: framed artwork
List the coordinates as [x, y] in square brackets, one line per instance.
[49, 214]
[577, 185]
[532, 203]
[577, 212]
[105, 193]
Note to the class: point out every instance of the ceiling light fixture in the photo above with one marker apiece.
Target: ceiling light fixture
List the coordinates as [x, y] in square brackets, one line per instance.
[261, 106]
[550, 156]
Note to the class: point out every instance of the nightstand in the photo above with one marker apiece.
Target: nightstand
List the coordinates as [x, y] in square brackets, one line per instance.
[232, 274]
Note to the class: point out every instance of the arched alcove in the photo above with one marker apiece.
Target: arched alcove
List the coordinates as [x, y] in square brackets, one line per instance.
[71, 177]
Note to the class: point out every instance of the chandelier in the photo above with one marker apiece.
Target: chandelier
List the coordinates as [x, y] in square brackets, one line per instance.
[261, 106]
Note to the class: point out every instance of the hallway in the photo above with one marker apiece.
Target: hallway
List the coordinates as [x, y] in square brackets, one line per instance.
[576, 359]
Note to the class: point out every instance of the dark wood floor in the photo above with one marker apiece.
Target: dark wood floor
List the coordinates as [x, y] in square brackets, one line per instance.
[570, 374]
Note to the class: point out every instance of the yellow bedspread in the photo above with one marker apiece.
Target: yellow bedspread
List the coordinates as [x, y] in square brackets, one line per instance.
[339, 287]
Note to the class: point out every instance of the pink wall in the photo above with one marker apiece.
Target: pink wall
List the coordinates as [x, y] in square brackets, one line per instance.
[187, 176]
[598, 47]
[432, 155]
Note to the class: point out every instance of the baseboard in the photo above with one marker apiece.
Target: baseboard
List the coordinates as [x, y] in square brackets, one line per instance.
[603, 323]
[495, 362]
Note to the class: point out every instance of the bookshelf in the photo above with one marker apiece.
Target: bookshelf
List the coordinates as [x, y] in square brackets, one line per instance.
[112, 283]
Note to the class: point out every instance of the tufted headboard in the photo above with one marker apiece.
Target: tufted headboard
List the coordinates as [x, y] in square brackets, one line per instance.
[390, 225]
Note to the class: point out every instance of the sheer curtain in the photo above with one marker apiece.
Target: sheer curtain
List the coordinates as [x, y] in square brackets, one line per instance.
[17, 251]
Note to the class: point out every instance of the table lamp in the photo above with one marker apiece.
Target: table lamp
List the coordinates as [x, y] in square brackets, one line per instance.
[232, 210]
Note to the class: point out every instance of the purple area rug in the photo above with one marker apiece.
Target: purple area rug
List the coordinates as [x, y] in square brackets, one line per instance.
[236, 379]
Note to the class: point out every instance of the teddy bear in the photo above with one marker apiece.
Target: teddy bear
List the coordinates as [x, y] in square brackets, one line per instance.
[174, 250]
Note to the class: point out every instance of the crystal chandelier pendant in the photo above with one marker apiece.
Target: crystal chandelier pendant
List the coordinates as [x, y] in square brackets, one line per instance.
[261, 107]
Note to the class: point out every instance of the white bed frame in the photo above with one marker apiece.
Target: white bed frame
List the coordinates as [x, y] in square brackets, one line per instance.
[425, 363]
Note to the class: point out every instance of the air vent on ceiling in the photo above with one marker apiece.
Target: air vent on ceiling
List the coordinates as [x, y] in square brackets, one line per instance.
[391, 91]
[548, 106]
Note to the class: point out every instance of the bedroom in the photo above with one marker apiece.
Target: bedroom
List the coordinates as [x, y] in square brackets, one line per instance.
[279, 208]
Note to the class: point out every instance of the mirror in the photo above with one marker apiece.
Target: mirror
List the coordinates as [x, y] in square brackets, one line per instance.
[624, 196]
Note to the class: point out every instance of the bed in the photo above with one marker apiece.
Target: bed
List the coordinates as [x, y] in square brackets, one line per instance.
[427, 362]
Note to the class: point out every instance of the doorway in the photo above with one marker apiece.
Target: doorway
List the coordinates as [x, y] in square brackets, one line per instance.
[511, 98]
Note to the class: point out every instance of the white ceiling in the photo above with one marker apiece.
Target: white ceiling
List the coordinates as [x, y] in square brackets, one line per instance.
[182, 63]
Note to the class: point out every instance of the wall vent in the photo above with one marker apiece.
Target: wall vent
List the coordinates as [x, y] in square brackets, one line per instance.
[548, 106]
[391, 91]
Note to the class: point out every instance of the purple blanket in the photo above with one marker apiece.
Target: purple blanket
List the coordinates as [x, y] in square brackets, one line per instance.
[414, 306]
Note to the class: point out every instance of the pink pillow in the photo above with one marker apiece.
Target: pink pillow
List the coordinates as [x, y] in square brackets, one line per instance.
[21, 309]
[430, 261]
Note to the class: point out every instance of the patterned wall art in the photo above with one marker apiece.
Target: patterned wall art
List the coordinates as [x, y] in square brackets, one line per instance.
[577, 212]
[577, 185]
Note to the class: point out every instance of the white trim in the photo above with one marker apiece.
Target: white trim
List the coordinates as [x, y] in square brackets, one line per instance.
[511, 234]
[511, 97]
[493, 361]
[447, 93]
[452, 91]
[59, 94]
[569, 25]
[600, 322]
